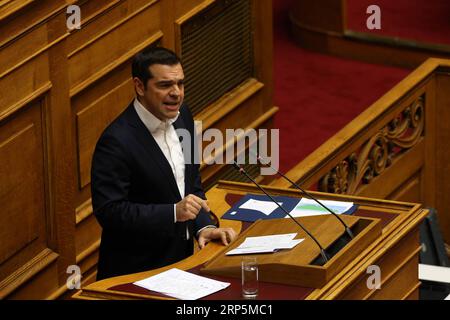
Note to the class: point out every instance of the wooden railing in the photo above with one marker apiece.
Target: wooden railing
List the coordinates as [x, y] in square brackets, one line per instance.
[397, 149]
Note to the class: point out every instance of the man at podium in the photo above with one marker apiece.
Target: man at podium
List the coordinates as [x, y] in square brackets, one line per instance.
[146, 190]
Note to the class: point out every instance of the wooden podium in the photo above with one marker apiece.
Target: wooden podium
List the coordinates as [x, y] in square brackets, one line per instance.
[386, 236]
[296, 266]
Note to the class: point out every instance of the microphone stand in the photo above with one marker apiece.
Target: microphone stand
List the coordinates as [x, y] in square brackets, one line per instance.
[322, 250]
[347, 229]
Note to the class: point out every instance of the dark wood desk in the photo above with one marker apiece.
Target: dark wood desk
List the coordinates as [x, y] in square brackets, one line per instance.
[395, 252]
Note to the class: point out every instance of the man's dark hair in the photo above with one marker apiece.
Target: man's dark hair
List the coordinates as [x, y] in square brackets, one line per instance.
[153, 55]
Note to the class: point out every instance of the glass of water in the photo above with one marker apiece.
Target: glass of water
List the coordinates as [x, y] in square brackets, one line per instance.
[249, 277]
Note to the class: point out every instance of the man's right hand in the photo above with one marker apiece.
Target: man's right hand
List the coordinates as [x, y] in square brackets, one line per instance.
[189, 207]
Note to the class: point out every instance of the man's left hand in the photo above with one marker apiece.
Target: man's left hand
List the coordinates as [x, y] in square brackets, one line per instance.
[226, 235]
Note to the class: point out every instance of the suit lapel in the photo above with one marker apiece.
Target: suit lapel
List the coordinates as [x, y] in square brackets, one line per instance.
[149, 143]
[179, 124]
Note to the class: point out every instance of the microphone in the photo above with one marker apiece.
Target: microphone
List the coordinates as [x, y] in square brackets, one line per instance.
[322, 250]
[347, 229]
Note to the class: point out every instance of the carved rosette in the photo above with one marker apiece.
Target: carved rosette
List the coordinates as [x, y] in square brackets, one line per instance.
[361, 167]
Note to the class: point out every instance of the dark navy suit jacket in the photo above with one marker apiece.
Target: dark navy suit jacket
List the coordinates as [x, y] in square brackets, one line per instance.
[133, 197]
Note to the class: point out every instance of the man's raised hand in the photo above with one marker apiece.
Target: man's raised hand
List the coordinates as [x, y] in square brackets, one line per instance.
[189, 207]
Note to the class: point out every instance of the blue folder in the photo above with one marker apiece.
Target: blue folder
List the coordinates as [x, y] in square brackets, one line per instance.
[236, 213]
[249, 215]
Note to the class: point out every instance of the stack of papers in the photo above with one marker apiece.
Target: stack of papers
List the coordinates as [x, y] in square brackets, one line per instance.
[308, 207]
[181, 284]
[266, 244]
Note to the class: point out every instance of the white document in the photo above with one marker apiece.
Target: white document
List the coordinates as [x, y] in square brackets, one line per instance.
[434, 273]
[181, 284]
[289, 245]
[264, 244]
[308, 207]
[237, 251]
[267, 241]
[266, 207]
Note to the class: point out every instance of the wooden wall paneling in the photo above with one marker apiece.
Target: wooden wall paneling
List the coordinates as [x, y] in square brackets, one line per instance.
[32, 251]
[429, 173]
[389, 265]
[413, 294]
[23, 197]
[406, 277]
[168, 16]
[183, 10]
[392, 256]
[213, 173]
[32, 77]
[263, 49]
[442, 151]
[31, 42]
[35, 279]
[87, 231]
[86, 102]
[410, 190]
[38, 73]
[91, 11]
[89, 275]
[235, 99]
[99, 18]
[241, 117]
[93, 119]
[396, 175]
[26, 82]
[25, 17]
[61, 168]
[107, 50]
[9, 6]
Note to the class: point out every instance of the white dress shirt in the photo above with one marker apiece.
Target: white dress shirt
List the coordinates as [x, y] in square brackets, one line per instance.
[167, 139]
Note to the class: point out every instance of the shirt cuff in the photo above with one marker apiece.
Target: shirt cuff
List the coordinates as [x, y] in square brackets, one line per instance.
[208, 226]
[175, 212]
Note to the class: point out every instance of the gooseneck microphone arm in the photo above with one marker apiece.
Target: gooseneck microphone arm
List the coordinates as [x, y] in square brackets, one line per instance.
[322, 250]
[347, 229]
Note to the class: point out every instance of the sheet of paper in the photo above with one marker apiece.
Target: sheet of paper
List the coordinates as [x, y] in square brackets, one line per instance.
[265, 244]
[250, 250]
[267, 241]
[434, 273]
[266, 207]
[181, 284]
[289, 245]
[308, 207]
